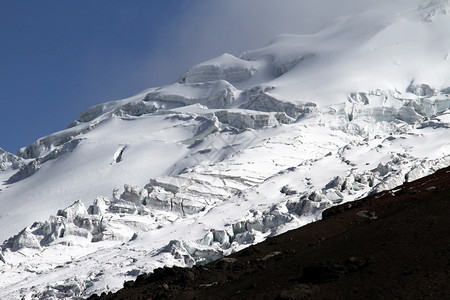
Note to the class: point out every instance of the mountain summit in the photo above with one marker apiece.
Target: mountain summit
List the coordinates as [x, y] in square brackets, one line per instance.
[236, 150]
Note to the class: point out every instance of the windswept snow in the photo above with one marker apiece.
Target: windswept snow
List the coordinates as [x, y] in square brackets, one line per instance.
[238, 149]
[226, 67]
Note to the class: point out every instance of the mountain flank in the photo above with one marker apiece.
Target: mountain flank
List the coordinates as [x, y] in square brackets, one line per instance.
[391, 244]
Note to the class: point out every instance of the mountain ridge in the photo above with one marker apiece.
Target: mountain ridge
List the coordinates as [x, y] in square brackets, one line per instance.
[229, 154]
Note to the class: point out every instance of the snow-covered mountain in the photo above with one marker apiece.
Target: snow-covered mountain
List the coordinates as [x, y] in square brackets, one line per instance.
[238, 149]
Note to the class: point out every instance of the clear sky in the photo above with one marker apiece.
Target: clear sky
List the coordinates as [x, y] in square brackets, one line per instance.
[58, 58]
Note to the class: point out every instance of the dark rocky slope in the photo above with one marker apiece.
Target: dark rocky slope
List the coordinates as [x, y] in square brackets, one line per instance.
[395, 244]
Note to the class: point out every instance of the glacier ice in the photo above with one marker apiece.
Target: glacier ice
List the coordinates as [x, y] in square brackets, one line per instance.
[262, 101]
[225, 67]
[231, 153]
[8, 160]
[213, 183]
[25, 171]
[213, 94]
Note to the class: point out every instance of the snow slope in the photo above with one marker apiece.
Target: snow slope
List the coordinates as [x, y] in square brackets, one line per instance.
[238, 149]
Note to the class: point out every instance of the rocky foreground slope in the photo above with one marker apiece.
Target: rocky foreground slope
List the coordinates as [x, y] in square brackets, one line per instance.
[394, 244]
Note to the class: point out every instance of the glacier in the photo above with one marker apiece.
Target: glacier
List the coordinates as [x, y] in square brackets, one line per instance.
[236, 150]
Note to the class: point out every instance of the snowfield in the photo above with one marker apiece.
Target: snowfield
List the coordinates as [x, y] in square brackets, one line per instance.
[238, 149]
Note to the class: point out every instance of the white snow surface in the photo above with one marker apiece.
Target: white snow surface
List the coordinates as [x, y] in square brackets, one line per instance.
[235, 151]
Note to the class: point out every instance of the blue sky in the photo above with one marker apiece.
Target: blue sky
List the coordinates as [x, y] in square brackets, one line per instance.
[58, 58]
